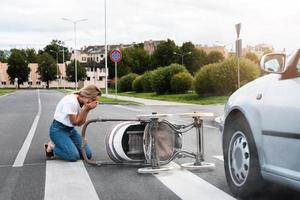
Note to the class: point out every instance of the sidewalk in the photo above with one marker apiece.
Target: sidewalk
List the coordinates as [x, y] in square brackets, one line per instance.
[148, 102]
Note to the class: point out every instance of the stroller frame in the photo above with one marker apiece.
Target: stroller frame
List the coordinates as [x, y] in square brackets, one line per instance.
[154, 164]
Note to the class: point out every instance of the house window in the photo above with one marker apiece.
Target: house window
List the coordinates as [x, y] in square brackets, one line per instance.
[97, 58]
[30, 83]
[88, 78]
[100, 78]
[38, 83]
[3, 83]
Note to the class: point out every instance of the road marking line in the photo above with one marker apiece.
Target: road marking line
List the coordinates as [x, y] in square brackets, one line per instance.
[219, 158]
[128, 108]
[68, 180]
[189, 186]
[207, 126]
[25, 147]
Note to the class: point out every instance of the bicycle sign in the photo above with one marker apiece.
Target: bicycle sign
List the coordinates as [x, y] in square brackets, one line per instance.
[115, 55]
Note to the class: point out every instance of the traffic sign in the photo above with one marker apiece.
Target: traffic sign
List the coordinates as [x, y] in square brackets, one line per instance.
[115, 55]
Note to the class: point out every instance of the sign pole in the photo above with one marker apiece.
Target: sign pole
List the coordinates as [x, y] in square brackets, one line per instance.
[116, 56]
[238, 49]
[116, 79]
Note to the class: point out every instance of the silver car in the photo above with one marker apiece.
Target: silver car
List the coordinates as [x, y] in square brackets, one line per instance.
[261, 133]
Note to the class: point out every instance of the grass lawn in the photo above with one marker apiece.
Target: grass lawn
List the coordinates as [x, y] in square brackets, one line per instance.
[183, 98]
[6, 91]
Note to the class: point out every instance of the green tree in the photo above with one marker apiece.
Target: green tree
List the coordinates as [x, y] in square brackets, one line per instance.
[136, 58]
[4, 55]
[46, 68]
[193, 61]
[57, 48]
[252, 56]
[18, 67]
[30, 55]
[164, 54]
[70, 71]
[214, 56]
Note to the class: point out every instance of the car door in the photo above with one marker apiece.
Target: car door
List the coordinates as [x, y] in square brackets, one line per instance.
[281, 125]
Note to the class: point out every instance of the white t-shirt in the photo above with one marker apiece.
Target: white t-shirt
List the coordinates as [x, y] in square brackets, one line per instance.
[68, 105]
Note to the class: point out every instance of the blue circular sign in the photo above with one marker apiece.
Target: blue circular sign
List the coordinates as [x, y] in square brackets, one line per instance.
[115, 55]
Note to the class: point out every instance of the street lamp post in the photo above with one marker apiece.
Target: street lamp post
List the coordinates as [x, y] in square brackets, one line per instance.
[106, 69]
[182, 55]
[56, 62]
[74, 23]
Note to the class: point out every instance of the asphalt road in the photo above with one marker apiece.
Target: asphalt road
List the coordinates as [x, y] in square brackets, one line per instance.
[26, 174]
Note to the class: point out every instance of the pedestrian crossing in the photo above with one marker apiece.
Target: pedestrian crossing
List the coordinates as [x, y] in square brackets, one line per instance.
[70, 180]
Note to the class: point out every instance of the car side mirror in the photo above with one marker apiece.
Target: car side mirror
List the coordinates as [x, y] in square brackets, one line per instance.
[273, 62]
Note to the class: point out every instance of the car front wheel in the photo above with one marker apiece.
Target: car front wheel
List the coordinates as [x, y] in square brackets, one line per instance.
[241, 161]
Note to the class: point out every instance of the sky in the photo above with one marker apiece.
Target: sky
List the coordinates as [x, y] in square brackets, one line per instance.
[35, 23]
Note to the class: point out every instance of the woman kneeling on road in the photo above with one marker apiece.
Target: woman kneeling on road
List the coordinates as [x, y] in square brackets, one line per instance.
[71, 111]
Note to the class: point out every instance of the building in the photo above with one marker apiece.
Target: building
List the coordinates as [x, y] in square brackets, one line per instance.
[218, 48]
[96, 77]
[150, 46]
[259, 49]
[95, 53]
[89, 57]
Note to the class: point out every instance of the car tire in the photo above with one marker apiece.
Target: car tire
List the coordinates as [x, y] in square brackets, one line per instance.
[241, 160]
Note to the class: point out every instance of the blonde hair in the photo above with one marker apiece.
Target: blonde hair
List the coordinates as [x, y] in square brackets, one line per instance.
[90, 91]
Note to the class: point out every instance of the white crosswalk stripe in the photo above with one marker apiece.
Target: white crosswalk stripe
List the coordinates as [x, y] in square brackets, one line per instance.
[188, 186]
[68, 180]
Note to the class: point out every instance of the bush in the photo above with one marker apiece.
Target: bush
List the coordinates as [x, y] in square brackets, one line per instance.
[162, 76]
[203, 80]
[181, 82]
[125, 83]
[158, 81]
[221, 78]
[146, 81]
[137, 84]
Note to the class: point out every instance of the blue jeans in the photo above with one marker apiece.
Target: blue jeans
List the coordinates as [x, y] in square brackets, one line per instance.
[67, 142]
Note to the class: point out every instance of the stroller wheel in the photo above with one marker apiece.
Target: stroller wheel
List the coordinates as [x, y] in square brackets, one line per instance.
[204, 167]
[150, 170]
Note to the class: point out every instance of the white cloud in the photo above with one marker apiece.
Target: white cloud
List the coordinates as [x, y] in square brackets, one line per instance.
[36, 23]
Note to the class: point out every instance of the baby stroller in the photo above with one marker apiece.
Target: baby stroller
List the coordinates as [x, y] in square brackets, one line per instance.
[150, 142]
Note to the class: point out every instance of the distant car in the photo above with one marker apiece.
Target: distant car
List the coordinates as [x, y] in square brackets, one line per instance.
[261, 133]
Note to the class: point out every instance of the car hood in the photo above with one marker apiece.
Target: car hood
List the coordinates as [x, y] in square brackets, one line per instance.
[249, 92]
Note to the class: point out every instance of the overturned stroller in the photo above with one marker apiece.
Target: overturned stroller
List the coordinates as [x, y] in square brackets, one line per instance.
[151, 142]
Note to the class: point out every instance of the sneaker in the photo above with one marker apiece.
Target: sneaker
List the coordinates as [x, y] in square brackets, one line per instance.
[49, 154]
